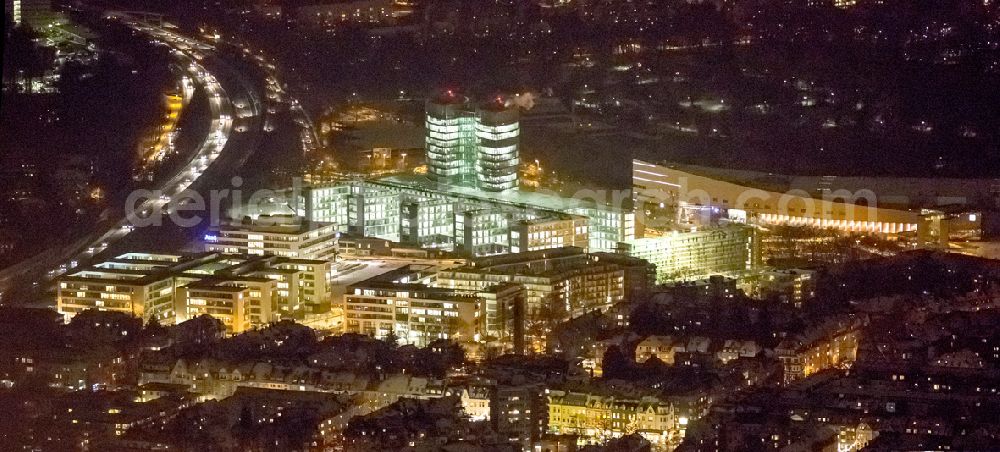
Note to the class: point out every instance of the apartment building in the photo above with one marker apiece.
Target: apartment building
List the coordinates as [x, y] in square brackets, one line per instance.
[278, 235]
[242, 291]
[240, 303]
[596, 418]
[575, 281]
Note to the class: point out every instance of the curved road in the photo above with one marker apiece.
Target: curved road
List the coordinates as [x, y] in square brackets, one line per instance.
[220, 145]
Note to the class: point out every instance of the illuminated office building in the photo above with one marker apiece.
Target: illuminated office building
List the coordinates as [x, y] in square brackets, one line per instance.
[300, 284]
[575, 281]
[332, 202]
[468, 202]
[398, 302]
[376, 211]
[484, 232]
[545, 233]
[658, 185]
[241, 290]
[138, 284]
[498, 132]
[451, 140]
[472, 147]
[284, 236]
[240, 303]
[415, 210]
[428, 223]
[417, 315]
[696, 254]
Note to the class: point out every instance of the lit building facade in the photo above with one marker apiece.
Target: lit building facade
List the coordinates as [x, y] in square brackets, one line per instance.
[451, 141]
[427, 223]
[697, 254]
[597, 418]
[832, 344]
[501, 315]
[484, 232]
[567, 277]
[416, 315]
[375, 212]
[240, 303]
[415, 210]
[333, 202]
[14, 8]
[498, 134]
[519, 413]
[656, 185]
[474, 147]
[283, 236]
[420, 314]
[659, 347]
[241, 290]
[545, 233]
[138, 284]
[37, 13]
[301, 285]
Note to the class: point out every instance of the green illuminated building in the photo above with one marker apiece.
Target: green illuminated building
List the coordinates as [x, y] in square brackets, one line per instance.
[451, 141]
[418, 210]
[472, 147]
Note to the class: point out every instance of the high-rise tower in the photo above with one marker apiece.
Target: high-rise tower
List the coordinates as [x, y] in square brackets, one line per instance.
[451, 140]
[472, 147]
[498, 132]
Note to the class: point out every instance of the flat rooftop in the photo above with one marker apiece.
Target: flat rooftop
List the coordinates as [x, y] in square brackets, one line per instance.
[893, 191]
[261, 225]
[518, 198]
[227, 283]
[349, 272]
[137, 271]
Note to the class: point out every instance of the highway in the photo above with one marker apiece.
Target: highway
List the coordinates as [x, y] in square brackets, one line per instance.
[228, 118]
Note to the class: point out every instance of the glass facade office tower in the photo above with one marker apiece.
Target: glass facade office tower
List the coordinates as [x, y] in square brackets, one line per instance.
[498, 132]
[472, 148]
[451, 140]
